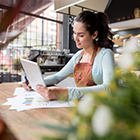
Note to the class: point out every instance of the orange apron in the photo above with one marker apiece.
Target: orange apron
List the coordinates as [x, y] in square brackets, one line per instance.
[83, 71]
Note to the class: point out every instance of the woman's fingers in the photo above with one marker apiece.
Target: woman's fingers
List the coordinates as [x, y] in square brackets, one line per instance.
[42, 91]
[26, 87]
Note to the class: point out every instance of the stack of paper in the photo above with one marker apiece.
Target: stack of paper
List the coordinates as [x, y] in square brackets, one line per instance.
[24, 100]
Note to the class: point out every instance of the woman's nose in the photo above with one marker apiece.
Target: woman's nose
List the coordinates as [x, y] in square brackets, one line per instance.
[75, 38]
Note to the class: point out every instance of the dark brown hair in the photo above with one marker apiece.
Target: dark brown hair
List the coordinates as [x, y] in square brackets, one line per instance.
[97, 22]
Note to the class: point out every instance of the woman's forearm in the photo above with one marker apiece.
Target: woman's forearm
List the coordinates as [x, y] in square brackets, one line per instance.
[58, 92]
[52, 93]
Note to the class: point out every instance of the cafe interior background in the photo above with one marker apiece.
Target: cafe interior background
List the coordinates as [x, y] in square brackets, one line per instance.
[42, 32]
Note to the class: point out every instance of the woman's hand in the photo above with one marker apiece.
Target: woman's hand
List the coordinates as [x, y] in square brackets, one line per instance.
[26, 87]
[52, 93]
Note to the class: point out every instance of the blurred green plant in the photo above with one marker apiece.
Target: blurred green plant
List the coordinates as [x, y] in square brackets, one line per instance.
[109, 115]
[5, 69]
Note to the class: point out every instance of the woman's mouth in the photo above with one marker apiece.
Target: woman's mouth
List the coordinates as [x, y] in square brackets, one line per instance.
[78, 44]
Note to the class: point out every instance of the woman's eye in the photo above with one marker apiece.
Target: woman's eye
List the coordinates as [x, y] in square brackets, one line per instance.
[81, 35]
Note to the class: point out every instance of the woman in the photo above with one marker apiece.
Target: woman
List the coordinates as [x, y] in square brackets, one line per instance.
[92, 66]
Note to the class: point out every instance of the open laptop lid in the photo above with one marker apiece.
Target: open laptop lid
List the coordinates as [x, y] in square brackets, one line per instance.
[33, 73]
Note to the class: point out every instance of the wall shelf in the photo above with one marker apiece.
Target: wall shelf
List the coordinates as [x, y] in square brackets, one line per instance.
[127, 24]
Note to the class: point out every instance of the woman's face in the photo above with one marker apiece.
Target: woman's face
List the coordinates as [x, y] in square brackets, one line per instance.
[82, 37]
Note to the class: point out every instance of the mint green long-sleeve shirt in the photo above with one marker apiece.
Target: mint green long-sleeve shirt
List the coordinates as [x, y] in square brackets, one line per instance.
[102, 73]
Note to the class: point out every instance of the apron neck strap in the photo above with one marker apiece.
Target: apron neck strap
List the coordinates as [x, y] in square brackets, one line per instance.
[94, 54]
[80, 56]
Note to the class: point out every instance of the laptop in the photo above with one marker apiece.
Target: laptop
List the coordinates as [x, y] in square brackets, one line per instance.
[33, 73]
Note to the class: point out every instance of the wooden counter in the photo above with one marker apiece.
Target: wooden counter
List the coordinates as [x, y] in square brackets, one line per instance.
[24, 125]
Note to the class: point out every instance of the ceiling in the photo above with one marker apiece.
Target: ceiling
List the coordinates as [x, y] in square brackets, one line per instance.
[12, 23]
[115, 8]
[31, 6]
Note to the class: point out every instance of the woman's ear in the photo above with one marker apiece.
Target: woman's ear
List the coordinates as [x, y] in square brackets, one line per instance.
[95, 35]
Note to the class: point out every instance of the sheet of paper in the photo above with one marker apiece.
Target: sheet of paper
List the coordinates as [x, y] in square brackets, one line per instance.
[25, 100]
[22, 91]
[31, 102]
[9, 101]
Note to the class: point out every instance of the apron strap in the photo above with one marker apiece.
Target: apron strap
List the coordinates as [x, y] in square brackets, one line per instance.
[93, 55]
[80, 56]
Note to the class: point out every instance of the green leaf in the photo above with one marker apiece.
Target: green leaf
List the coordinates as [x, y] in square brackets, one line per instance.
[51, 138]
[121, 110]
[58, 127]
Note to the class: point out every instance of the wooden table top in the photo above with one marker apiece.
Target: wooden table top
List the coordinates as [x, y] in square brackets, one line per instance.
[24, 124]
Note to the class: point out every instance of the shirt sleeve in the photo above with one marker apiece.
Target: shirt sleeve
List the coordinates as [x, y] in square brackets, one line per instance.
[106, 65]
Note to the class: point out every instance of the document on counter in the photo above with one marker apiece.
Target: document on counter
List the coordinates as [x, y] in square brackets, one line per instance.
[25, 100]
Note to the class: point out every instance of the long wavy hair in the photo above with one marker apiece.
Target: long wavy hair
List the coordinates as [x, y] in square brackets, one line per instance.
[97, 22]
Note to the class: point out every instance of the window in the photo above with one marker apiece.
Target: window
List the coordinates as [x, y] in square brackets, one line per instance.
[39, 34]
